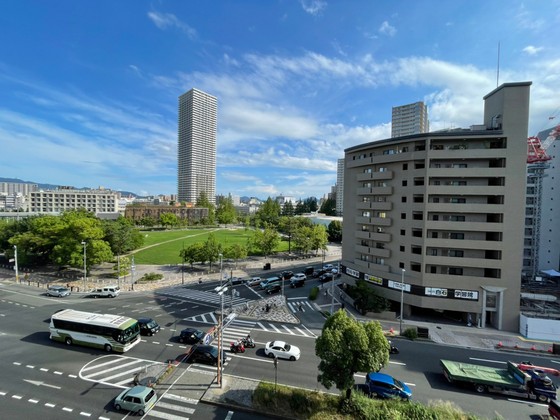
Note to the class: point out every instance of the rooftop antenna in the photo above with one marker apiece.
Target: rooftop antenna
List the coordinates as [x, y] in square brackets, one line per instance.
[498, 67]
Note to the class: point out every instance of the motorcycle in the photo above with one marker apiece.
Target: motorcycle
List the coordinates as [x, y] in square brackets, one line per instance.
[237, 347]
[393, 349]
[248, 342]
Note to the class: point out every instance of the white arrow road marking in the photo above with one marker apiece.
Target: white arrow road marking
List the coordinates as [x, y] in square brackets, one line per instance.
[41, 383]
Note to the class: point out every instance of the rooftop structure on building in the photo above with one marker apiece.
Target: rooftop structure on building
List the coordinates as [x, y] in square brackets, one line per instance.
[436, 219]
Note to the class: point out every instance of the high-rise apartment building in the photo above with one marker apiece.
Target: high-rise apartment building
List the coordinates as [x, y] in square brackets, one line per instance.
[197, 133]
[440, 216]
[339, 187]
[409, 119]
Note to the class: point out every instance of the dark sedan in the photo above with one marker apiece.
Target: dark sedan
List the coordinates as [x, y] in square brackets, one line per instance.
[274, 288]
[326, 277]
[205, 354]
[191, 336]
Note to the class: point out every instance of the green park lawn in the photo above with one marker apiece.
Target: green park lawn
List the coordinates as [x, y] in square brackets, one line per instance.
[163, 247]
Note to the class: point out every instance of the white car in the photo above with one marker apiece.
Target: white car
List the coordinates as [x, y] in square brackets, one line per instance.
[58, 291]
[299, 277]
[255, 281]
[328, 267]
[282, 350]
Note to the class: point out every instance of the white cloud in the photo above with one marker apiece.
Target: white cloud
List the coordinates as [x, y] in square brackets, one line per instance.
[313, 7]
[169, 20]
[387, 29]
[532, 50]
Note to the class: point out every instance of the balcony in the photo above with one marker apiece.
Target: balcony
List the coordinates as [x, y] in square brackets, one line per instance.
[374, 176]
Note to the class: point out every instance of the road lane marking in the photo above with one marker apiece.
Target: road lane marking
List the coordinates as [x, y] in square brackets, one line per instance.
[50, 405]
[41, 383]
[488, 360]
[67, 409]
[32, 401]
[17, 397]
[83, 413]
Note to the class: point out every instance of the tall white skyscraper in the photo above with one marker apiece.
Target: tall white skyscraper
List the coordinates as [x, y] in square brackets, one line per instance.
[339, 187]
[197, 132]
[409, 119]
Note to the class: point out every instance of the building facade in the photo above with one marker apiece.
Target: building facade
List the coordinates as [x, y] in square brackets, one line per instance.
[197, 134]
[409, 119]
[440, 215]
[340, 187]
[68, 198]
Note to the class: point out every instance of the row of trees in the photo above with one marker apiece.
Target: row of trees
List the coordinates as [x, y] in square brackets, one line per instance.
[59, 240]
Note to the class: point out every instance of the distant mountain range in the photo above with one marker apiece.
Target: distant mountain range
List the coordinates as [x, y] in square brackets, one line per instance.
[53, 187]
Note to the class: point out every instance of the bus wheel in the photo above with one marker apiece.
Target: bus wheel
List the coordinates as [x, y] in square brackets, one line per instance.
[108, 348]
[68, 341]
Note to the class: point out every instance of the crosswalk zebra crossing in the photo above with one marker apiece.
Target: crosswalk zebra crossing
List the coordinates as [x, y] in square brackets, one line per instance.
[239, 328]
[116, 370]
[173, 407]
[207, 297]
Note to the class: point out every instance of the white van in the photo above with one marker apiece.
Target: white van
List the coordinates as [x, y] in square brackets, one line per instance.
[106, 291]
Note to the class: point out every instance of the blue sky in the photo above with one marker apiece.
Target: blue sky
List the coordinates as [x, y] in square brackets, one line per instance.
[88, 89]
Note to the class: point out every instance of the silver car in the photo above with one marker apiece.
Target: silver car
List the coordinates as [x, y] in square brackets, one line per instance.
[58, 291]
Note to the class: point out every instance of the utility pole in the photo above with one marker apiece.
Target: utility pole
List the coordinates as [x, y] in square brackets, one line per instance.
[85, 264]
[221, 290]
[16, 264]
[183, 265]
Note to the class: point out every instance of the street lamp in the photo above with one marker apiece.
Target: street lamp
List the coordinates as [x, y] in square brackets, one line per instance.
[221, 269]
[16, 264]
[221, 290]
[85, 265]
[402, 300]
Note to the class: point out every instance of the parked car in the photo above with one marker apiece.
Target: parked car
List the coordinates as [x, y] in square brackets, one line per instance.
[138, 399]
[270, 281]
[255, 281]
[273, 288]
[236, 280]
[319, 273]
[282, 350]
[385, 386]
[205, 354]
[328, 267]
[299, 276]
[287, 275]
[107, 291]
[191, 336]
[58, 291]
[308, 271]
[326, 277]
[148, 326]
[297, 281]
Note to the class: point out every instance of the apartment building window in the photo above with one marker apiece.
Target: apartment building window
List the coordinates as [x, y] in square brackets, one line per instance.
[455, 218]
[435, 200]
[433, 252]
[389, 152]
[436, 182]
[366, 214]
[455, 271]
[403, 232]
[419, 165]
[380, 230]
[435, 217]
[383, 169]
[415, 267]
[459, 165]
[404, 183]
[405, 166]
[368, 171]
[401, 248]
[418, 199]
[456, 253]
[381, 214]
[457, 200]
[403, 199]
[417, 216]
[416, 250]
[403, 216]
[458, 183]
[457, 235]
[417, 233]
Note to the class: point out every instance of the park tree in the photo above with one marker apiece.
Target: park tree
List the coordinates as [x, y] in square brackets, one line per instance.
[192, 253]
[269, 213]
[288, 209]
[225, 213]
[147, 221]
[328, 207]
[347, 346]
[236, 252]
[168, 220]
[302, 238]
[300, 208]
[334, 231]
[211, 250]
[122, 235]
[310, 204]
[319, 238]
[264, 241]
[203, 201]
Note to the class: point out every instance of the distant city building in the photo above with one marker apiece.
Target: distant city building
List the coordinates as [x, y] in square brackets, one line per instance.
[68, 198]
[340, 187]
[17, 187]
[437, 219]
[192, 215]
[282, 200]
[197, 134]
[409, 119]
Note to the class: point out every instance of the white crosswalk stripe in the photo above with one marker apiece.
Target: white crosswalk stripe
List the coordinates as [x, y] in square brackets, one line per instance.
[300, 305]
[115, 370]
[201, 296]
[173, 407]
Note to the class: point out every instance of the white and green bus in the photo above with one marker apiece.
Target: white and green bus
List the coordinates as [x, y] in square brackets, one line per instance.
[109, 332]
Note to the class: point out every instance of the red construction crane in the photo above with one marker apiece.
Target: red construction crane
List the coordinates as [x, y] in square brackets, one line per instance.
[536, 150]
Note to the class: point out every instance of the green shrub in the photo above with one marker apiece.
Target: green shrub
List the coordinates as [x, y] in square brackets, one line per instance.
[410, 333]
[314, 293]
[150, 277]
